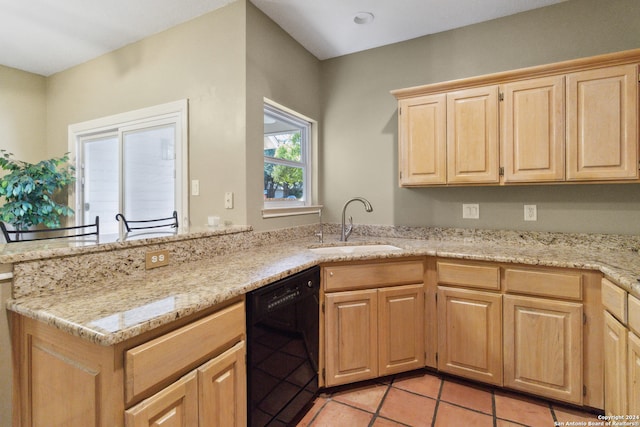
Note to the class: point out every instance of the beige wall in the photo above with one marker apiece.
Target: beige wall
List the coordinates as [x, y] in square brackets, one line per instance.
[202, 60]
[22, 114]
[359, 154]
[279, 69]
[22, 132]
[224, 63]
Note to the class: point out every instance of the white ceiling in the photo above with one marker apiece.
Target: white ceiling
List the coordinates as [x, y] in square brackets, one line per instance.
[326, 27]
[48, 36]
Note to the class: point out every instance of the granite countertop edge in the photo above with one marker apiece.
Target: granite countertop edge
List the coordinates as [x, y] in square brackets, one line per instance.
[143, 302]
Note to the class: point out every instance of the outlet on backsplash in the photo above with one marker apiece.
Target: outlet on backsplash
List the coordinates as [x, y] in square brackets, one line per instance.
[155, 259]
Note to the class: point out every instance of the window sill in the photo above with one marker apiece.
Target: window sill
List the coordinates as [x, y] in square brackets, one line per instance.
[291, 211]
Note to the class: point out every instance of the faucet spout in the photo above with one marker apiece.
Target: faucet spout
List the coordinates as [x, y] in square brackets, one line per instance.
[345, 231]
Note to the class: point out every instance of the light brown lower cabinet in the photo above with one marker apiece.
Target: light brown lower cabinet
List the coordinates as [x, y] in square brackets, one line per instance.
[351, 329]
[633, 362]
[373, 332]
[470, 334]
[543, 347]
[615, 366]
[176, 405]
[400, 329]
[621, 350]
[207, 396]
[533, 329]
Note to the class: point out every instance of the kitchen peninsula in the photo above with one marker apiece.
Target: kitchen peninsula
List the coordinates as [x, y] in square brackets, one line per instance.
[102, 300]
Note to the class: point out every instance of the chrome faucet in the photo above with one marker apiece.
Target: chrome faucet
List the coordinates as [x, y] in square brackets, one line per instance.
[345, 231]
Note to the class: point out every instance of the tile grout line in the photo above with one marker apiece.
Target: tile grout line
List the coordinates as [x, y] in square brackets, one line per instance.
[377, 412]
[553, 413]
[458, 405]
[313, 419]
[377, 415]
[493, 408]
[348, 405]
[435, 410]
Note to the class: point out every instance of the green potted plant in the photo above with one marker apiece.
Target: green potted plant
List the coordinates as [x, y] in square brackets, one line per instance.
[30, 190]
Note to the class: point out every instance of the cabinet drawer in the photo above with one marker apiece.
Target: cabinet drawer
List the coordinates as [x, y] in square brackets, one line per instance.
[469, 275]
[634, 314]
[169, 356]
[614, 299]
[552, 284]
[363, 276]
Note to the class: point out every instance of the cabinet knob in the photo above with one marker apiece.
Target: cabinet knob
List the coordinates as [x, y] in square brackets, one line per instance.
[331, 274]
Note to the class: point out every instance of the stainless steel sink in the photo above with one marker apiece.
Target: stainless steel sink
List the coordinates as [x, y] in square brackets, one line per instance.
[354, 249]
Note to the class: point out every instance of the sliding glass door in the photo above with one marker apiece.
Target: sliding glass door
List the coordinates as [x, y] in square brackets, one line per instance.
[131, 170]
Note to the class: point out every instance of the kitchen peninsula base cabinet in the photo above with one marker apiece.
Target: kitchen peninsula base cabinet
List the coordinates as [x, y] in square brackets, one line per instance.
[532, 329]
[621, 350]
[373, 320]
[190, 372]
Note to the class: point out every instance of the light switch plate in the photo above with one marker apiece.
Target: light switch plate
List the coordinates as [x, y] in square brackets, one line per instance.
[228, 200]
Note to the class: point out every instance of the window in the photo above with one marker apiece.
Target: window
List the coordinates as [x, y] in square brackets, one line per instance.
[287, 160]
[134, 163]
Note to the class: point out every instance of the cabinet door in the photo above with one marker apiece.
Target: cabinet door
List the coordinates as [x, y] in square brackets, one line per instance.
[422, 140]
[602, 119]
[222, 387]
[615, 366]
[401, 328]
[62, 380]
[634, 374]
[543, 347]
[351, 333]
[472, 136]
[470, 334]
[533, 130]
[174, 406]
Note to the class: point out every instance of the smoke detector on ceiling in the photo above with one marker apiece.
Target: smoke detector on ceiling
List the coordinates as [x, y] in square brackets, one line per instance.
[363, 18]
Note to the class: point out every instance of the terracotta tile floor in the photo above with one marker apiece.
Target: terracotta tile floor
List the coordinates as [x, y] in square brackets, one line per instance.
[427, 399]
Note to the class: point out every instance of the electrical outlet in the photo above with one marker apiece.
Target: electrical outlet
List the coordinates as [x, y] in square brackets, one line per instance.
[155, 259]
[471, 211]
[530, 213]
[195, 187]
[228, 200]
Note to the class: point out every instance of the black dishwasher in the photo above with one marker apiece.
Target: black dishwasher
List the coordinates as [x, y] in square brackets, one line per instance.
[282, 349]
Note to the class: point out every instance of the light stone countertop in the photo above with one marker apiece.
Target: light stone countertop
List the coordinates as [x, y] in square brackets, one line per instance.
[39, 249]
[111, 311]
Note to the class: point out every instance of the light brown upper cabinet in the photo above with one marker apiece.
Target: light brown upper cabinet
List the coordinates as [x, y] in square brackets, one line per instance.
[472, 136]
[569, 122]
[602, 120]
[424, 139]
[533, 130]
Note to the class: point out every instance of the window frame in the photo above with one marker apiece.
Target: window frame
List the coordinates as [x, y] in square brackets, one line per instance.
[176, 112]
[308, 145]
